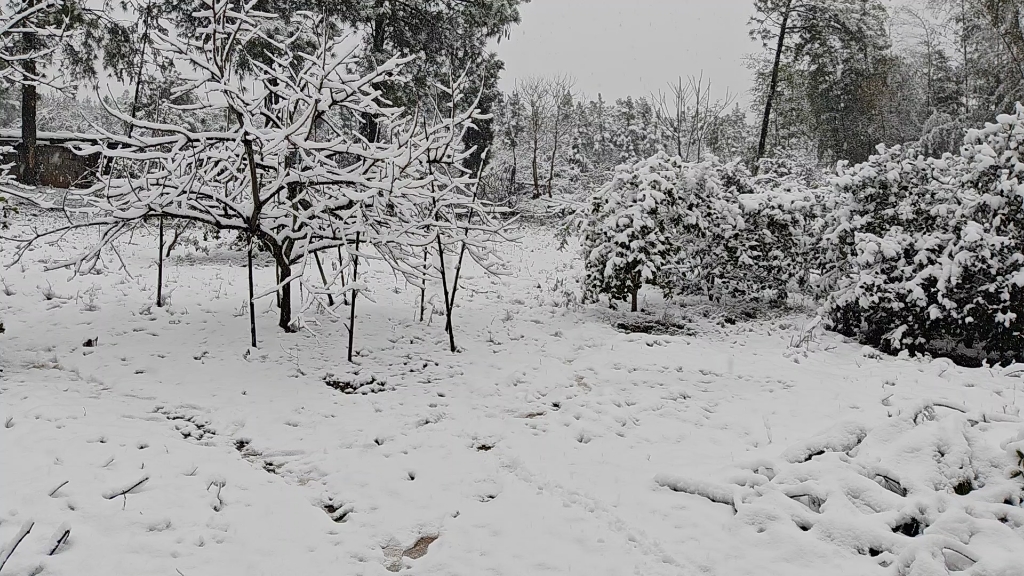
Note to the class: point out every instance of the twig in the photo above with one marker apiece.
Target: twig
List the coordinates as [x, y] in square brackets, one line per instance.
[61, 485]
[111, 494]
[8, 548]
[59, 537]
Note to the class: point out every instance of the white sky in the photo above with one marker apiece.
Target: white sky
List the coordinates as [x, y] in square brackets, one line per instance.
[631, 47]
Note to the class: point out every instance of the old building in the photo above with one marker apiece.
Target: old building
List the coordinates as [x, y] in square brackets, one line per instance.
[59, 165]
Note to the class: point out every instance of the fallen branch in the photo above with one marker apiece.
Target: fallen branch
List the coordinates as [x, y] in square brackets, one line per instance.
[59, 538]
[8, 548]
[59, 486]
[111, 494]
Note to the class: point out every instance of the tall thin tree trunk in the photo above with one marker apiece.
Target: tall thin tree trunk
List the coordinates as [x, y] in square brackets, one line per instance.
[633, 299]
[257, 205]
[772, 86]
[371, 129]
[160, 268]
[963, 49]
[423, 288]
[554, 148]
[352, 304]
[320, 266]
[29, 128]
[536, 174]
[141, 68]
[512, 177]
[447, 302]
[696, 131]
[252, 301]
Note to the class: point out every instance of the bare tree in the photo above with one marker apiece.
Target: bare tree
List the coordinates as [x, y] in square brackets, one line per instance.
[671, 112]
[562, 105]
[930, 39]
[687, 115]
[706, 112]
[535, 98]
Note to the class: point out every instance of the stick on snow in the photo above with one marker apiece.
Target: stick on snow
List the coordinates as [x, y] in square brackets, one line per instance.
[8, 548]
[59, 538]
[124, 491]
[59, 486]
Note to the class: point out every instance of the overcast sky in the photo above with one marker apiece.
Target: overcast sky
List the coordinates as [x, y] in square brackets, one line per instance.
[623, 47]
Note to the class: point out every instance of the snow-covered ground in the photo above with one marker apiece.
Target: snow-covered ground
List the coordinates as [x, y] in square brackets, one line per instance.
[553, 444]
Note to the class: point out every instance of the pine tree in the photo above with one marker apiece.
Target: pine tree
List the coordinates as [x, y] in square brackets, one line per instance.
[627, 240]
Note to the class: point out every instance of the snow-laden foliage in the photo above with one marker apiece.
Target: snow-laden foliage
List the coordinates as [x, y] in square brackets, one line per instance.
[628, 235]
[774, 251]
[47, 25]
[930, 250]
[711, 229]
[753, 237]
[283, 172]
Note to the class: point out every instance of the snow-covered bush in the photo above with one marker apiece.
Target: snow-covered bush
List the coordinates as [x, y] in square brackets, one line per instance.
[763, 234]
[719, 232]
[627, 238]
[930, 252]
[709, 217]
[775, 249]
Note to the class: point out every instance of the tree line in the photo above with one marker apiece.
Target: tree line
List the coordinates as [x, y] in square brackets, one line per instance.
[833, 79]
[837, 77]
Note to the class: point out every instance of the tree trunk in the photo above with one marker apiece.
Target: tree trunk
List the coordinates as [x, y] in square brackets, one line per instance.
[277, 278]
[285, 319]
[632, 300]
[352, 303]
[29, 128]
[423, 288]
[554, 149]
[512, 177]
[130, 128]
[447, 302]
[963, 52]
[252, 301]
[160, 268]
[320, 266]
[536, 174]
[371, 129]
[772, 86]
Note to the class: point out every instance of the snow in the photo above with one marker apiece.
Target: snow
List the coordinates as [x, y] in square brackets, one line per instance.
[552, 444]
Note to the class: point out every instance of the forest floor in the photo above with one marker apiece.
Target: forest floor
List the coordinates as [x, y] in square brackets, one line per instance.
[560, 440]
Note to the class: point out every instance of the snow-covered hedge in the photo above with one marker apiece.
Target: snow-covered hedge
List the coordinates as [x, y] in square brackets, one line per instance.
[766, 247]
[930, 252]
[706, 228]
[908, 252]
